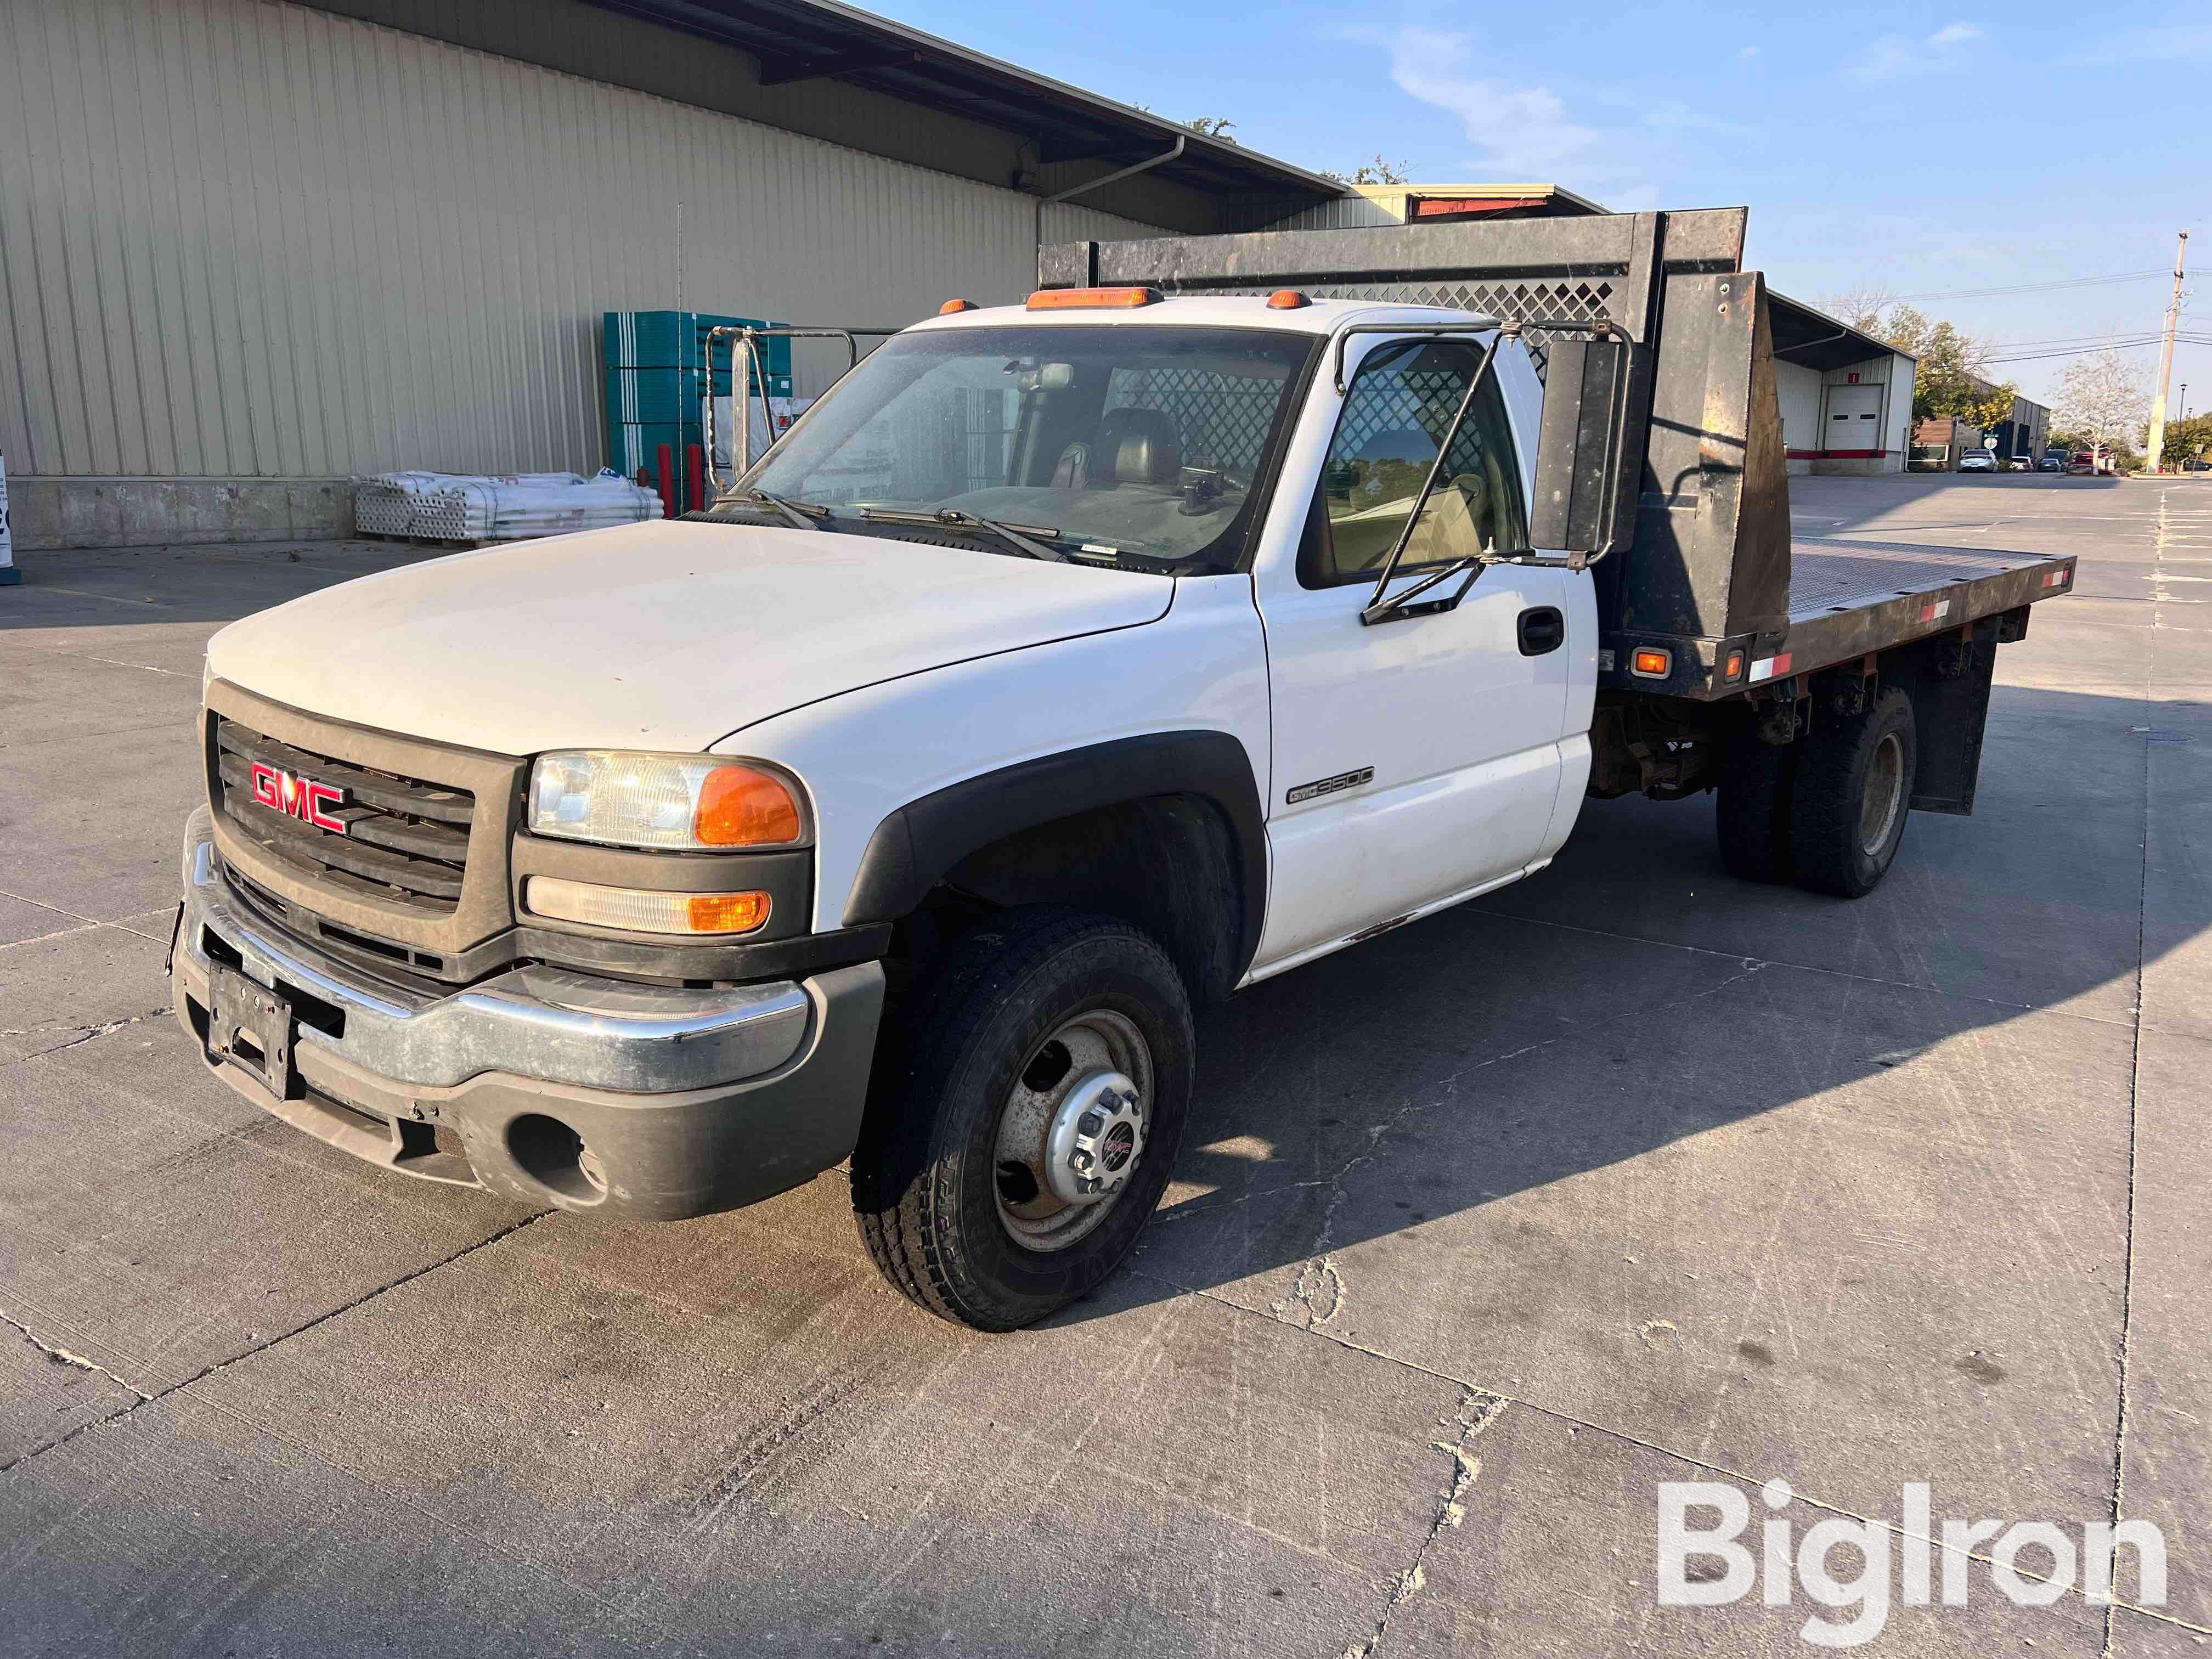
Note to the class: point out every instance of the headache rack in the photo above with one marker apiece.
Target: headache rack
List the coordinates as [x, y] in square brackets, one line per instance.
[1661, 462]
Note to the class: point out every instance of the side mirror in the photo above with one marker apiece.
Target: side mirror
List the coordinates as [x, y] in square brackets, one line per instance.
[1580, 452]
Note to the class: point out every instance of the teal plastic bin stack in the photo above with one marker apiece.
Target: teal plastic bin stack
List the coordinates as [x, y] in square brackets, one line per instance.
[657, 374]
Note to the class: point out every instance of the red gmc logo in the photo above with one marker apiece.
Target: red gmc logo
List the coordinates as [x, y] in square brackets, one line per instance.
[298, 796]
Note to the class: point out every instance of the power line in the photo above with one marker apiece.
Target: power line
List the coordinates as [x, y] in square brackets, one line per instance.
[2036, 288]
[2091, 350]
[2064, 339]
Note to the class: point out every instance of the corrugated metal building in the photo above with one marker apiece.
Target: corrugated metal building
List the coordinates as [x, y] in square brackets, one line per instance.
[248, 249]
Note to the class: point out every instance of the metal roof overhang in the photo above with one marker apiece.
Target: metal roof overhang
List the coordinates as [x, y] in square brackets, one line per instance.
[815, 39]
[1816, 340]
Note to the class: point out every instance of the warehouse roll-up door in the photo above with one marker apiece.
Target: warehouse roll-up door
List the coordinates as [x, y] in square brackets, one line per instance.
[1854, 419]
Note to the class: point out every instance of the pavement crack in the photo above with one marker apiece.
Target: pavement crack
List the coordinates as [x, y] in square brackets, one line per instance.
[205, 1372]
[62, 1356]
[2135, 1101]
[1692, 1460]
[1477, 1410]
[89, 1033]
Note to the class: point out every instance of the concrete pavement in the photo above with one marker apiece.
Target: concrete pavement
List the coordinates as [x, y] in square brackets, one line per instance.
[1632, 1173]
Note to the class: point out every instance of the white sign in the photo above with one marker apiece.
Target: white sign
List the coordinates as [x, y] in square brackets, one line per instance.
[8, 572]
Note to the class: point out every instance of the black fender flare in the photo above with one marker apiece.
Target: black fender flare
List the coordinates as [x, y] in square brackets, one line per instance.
[914, 848]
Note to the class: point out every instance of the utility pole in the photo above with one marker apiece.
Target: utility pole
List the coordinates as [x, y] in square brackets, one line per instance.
[2156, 446]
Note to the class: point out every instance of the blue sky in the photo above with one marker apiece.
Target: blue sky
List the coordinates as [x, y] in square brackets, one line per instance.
[1925, 150]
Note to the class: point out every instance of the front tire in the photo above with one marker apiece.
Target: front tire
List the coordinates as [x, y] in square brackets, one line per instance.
[1853, 794]
[1028, 1118]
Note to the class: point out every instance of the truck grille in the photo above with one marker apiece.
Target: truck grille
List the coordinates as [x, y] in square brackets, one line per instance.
[406, 840]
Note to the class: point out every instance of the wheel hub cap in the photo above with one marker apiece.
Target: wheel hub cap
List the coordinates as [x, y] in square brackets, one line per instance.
[1072, 1133]
[1095, 1137]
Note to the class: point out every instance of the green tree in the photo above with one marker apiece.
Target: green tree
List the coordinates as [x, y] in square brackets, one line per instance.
[1946, 382]
[2186, 441]
[1207, 126]
[1377, 172]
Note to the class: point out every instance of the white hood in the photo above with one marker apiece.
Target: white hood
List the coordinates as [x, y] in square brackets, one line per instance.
[658, 635]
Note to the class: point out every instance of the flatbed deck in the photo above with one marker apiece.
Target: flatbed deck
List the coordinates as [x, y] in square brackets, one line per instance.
[1848, 598]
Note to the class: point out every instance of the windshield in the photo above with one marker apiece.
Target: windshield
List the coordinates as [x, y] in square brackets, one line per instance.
[1146, 440]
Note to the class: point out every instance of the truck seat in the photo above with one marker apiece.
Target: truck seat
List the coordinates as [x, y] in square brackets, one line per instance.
[1131, 446]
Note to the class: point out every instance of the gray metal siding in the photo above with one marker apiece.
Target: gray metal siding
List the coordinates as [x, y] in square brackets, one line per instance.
[240, 239]
[1345, 213]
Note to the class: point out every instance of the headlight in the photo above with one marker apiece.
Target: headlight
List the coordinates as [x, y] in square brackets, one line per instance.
[683, 801]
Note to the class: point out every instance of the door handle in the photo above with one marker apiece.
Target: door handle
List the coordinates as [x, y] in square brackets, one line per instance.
[1541, 629]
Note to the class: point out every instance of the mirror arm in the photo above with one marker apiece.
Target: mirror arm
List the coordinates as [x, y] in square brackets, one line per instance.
[1400, 606]
[1376, 609]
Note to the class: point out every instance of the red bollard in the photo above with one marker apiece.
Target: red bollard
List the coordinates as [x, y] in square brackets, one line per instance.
[694, 477]
[664, 458]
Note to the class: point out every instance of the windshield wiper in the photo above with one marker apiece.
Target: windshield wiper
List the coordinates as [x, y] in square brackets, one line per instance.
[802, 515]
[952, 517]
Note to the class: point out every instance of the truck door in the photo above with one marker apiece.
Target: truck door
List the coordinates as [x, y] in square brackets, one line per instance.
[1419, 758]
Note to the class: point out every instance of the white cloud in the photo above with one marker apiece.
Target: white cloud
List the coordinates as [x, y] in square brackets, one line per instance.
[1901, 56]
[1521, 131]
[1623, 155]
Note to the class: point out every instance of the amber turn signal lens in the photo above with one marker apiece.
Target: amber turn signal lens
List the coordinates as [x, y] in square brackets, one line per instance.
[1287, 299]
[742, 806]
[1652, 665]
[951, 307]
[1735, 665]
[1082, 299]
[644, 910]
[727, 912]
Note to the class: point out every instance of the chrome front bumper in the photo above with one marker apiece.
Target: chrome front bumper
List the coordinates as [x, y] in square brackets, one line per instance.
[536, 1022]
[679, 1101]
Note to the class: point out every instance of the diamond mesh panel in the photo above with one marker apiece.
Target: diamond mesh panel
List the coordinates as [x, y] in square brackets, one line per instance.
[1584, 298]
[1222, 419]
[1427, 399]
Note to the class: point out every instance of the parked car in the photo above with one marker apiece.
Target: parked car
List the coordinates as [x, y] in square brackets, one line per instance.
[2052, 463]
[1978, 460]
[2082, 463]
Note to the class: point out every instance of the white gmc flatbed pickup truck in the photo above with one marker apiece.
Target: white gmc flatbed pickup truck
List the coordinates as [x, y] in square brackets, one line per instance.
[1067, 664]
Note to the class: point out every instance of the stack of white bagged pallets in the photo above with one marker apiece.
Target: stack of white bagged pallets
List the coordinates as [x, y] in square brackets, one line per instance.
[457, 506]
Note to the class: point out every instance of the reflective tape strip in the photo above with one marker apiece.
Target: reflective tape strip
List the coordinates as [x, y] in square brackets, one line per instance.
[1765, 668]
[1935, 612]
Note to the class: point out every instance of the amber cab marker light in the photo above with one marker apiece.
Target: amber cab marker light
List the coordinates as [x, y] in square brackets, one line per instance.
[1287, 299]
[1652, 665]
[952, 307]
[741, 806]
[1092, 299]
[1735, 665]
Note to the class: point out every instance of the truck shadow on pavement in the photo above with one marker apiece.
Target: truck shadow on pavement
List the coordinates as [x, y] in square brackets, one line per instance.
[1635, 998]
